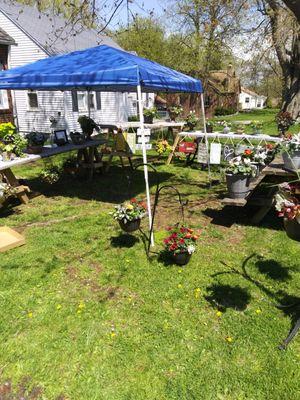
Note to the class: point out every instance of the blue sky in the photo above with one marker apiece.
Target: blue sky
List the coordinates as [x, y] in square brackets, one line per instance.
[141, 7]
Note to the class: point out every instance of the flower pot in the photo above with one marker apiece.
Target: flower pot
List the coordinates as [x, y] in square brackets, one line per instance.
[34, 149]
[77, 138]
[292, 228]
[209, 128]
[238, 186]
[181, 258]
[130, 226]
[148, 119]
[226, 129]
[291, 160]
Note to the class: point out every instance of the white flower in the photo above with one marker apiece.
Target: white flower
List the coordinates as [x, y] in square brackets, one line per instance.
[191, 248]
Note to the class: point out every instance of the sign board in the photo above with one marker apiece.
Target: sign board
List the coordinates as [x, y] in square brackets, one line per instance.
[146, 138]
[148, 146]
[202, 153]
[215, 153]
[131, 141]
[147, 132]
[228, 152]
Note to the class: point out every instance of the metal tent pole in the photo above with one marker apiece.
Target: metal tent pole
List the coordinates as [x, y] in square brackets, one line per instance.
[140, 103]
[205, 136]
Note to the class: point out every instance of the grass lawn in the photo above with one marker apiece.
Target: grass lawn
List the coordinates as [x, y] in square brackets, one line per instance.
[266, 116]
[85, 315]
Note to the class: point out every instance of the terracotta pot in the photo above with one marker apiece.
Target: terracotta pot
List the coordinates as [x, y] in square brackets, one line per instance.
[291, 160]
[292, 228]
[34, 149]
[130, 226]
[181, 258]
[238, 186]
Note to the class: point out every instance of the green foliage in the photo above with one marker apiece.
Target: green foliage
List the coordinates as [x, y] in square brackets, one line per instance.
[7, 129]
[150, 112]
[50, 173]
[11, 140]
[224, 111]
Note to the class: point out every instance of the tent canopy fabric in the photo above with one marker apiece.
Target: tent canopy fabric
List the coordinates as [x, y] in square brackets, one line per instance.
[102, 67]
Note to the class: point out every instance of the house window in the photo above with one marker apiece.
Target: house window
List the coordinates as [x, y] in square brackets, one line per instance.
[247, 99]
[3, 100]
[33, 102]
[81, 99]
[258, 105]
[98, 100]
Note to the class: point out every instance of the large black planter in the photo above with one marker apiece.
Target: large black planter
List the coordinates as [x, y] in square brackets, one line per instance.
[292, 228]
[181, 258]
[130, 226]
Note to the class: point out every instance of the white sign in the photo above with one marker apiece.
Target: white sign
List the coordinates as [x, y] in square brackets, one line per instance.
[131, 139]
[148, 146]
[145, 138]
[215, 153]
[147, 132]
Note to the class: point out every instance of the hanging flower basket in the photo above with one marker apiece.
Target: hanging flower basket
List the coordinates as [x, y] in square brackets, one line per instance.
[292, 228]
[291, 160]
[130, 226]
[180, 244]
[129, 214]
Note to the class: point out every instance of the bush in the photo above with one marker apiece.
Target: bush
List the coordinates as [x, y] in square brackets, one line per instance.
[224, 111]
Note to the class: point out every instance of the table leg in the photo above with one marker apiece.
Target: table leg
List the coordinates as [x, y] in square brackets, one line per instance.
[13, 181]
[173, 149]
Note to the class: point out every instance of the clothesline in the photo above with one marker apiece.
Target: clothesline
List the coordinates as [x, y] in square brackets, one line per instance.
[231, 135]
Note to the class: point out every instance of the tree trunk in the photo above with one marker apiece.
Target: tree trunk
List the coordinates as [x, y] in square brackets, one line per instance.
[291, 73]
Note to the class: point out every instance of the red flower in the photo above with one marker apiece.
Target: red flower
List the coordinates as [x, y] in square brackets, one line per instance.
[133, 200]
[188, 236]
[181, 241]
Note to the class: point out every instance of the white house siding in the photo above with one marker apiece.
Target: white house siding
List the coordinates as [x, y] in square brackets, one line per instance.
[255, 102]
[115, 106]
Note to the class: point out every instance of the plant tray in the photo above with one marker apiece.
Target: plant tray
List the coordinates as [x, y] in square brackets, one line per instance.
[10, 239]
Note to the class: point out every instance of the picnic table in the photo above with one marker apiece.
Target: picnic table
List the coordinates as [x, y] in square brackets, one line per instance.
[266, 202]
[119, 127]
[87, 155]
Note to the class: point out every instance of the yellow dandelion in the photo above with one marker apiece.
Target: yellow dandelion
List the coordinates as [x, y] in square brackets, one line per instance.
[81, 305]
[58, 307]
[113, 334]
[229, 339]
[179, 285]
[219, 314]
[30, 314]
[197, 293]
[258, 311]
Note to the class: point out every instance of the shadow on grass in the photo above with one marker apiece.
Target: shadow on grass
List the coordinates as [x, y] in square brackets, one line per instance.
[273, 270]
[114, 187]
[124, 240]
[165, 258]
[226, 296]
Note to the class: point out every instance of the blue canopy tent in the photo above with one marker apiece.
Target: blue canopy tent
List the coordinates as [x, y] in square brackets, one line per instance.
[102, 68]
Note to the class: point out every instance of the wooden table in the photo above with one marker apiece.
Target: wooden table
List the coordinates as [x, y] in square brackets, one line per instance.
[87, 155]
[275, 169]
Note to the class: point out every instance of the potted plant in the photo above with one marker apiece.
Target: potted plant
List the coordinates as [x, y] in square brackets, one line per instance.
[191, 120]
[149, 114]
[259, 159]
[174, 112]
[180, 244]
[88, 125]
[288, 207]
[130, 214]
[50, 174]
[70, 166]
[162, 146]
[238, 174]
[12, 143]
[284, 120]
[5, 191]
[257, 127]
[77, 138]
[209, 127]
[35, 142]
[291, 152]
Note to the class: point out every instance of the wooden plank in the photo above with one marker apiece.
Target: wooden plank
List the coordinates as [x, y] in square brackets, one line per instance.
[10, 239]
